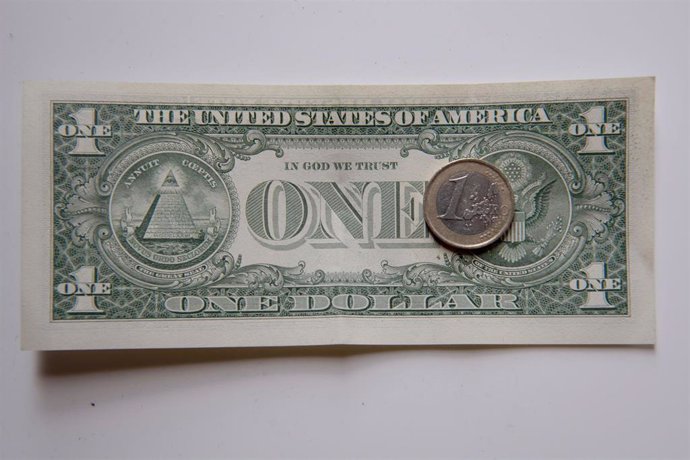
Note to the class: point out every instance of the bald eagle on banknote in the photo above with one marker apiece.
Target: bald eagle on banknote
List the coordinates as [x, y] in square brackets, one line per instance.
[532, 200]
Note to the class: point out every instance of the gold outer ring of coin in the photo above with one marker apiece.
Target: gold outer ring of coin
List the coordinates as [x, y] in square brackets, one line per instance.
[491, 234]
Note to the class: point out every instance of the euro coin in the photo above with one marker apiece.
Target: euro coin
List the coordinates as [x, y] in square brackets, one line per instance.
[468, 204]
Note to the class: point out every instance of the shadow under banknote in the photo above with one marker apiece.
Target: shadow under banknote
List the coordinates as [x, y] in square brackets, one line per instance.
[57, 363]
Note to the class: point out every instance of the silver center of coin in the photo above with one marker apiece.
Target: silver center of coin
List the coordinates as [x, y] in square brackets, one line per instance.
[469, 203]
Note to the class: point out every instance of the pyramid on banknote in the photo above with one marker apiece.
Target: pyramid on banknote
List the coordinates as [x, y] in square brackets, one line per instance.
[168, 217]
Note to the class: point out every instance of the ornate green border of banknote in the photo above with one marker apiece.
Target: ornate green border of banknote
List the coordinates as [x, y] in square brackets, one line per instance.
[208, 215]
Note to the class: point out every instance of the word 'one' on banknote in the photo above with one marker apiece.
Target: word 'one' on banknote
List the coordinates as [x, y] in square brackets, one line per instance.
[199, 216]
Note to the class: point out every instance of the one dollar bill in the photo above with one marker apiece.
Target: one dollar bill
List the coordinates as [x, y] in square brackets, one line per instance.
[211, 216]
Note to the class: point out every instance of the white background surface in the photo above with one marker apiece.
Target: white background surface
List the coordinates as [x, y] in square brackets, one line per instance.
[473, 402]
